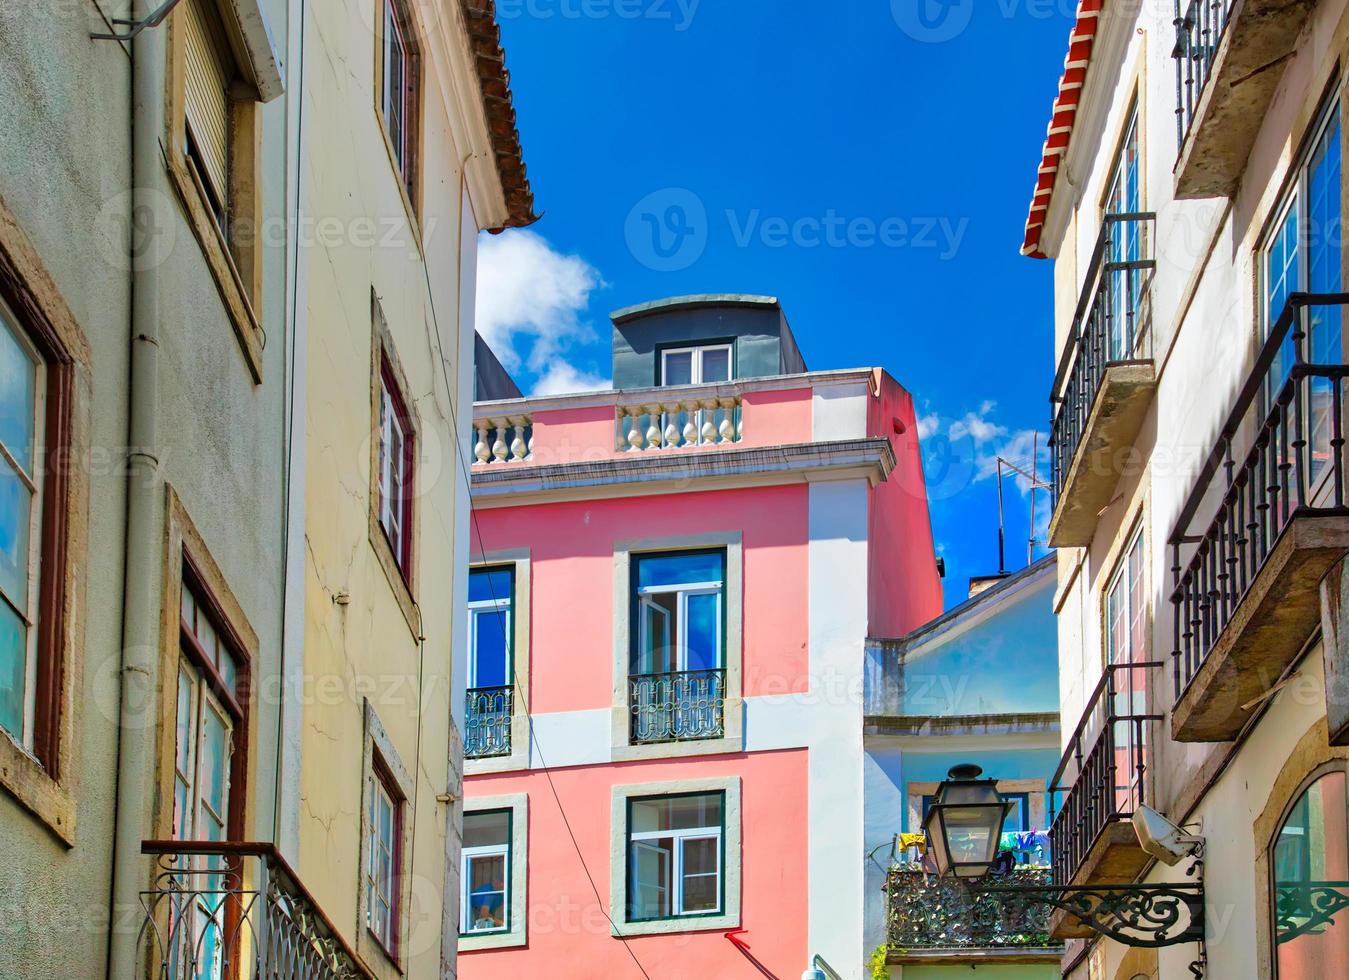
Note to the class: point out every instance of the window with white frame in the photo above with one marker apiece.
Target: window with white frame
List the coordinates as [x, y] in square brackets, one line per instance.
[1126, 643]
[22, 415]
[383, 844]
[486, 873]
[396, 455]
[490, 698]
[1302, 252]
[695, 365]
[1124, 197]
[679, 601]
[398, 90]
[675, 856]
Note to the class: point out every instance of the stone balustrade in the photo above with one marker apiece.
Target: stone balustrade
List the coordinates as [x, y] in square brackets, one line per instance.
[711, 421]
[505, 439]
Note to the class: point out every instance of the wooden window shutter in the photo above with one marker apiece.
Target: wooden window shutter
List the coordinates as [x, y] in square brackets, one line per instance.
[206, 96]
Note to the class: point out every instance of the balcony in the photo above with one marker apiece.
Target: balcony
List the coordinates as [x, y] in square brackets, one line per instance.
[677, 707]
[1101, 780]
[1105, 379]
[487, 722]
[1230, 56]
[1247, 600]
[238, 911]
[940, 920]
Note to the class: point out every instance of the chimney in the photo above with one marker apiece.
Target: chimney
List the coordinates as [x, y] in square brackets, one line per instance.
[982, 583]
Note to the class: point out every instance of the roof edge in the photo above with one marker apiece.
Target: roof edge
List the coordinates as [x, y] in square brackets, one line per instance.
[694, 301]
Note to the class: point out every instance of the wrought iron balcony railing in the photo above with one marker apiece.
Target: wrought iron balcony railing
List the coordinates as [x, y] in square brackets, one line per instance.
[927, 913]
[487, 722]
[1111, 326]
[1102, 776]
[1294, 466]
[236, 911]
[677, 707]
[1199, 31]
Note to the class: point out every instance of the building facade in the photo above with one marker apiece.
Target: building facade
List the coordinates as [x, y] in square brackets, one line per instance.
[975, 686]
[1191, 197]
[227, 739]
[671, 592]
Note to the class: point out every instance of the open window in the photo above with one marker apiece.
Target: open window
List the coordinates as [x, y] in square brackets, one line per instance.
[675, 856]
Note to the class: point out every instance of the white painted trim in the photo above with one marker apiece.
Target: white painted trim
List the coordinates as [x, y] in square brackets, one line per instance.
[517, 896]
[840, 412]
[618, 857]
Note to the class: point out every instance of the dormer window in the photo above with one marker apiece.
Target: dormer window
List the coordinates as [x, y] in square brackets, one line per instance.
[695, 365]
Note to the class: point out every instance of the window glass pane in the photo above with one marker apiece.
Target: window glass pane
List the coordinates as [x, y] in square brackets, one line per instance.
[1324, 241]
[704, 631]
[214, 770]
[676, 813]
[678, 368]
[1017, 817]
[18, 392]
[13, 672]
[1281, 279]
[16, 502]
[1309, 855]
[489, 649]
[487, 829]
[657, 633]
[650, 865]
[660, 570]
[490, 585]
[487, 892]
[701, 885]
[716, 365]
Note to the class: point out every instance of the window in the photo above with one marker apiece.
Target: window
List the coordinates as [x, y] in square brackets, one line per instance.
[1126, 643]
[695, 365]
[396, 455]
[485, 905]
[678, 677]
[23, 382]
[399, 88]
[208, 714]
[487, 718]
[1307, 856]
[206, 135]
[1302, 253]
[1124, 197]
[384, 830]
[675, 856]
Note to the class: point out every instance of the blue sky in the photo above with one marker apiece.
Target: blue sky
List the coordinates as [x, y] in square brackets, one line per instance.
[868, 162]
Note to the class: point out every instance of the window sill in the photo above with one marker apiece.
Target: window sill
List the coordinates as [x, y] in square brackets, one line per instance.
[666, 927]
[512, 939]
[394, 573]
[228, 279]
[45, 798]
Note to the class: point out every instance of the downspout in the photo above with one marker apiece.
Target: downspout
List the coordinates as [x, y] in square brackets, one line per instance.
[142, 572]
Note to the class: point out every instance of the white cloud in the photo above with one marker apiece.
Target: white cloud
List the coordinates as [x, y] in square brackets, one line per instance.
[928, 425]
[990, 440]
[531, 304]
[561, 378]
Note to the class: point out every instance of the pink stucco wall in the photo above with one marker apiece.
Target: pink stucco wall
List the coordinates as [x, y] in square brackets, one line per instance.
[572, 611]
[905, 590]
[569, 938]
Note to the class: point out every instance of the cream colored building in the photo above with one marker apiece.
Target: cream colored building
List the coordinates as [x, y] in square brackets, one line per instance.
[408, 151]
[1191, 196]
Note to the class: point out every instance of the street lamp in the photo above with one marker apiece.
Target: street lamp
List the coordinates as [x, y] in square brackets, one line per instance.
[964, 823]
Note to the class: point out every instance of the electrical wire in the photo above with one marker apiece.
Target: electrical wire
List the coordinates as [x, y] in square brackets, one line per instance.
[476, 529]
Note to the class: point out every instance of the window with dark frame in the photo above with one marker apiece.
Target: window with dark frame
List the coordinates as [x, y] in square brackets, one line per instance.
[399, 86]
[397, 449]
[34, 435]
[384, 845]
[676, 856]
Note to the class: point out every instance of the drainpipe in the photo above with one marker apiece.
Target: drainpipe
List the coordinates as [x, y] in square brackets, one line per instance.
[142, 572]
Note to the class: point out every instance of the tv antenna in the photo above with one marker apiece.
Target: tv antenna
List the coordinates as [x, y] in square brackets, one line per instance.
[1035, 484]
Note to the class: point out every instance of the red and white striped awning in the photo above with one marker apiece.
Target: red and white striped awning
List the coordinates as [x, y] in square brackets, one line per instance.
[1061, 124]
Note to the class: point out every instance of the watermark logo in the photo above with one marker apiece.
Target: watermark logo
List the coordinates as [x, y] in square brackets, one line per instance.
[666, 231]
[932, 21]
[136, 232]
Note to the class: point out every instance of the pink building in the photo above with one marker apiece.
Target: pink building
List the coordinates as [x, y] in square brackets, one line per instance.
[667, 617]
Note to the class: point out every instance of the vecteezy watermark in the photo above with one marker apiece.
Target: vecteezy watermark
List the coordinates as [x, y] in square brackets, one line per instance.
[932, 21]
[668, 230]
[679, 13]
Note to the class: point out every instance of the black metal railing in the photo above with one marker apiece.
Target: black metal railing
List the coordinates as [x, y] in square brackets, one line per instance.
[677, 707]
[926, 912]
[1199, 31]
[236, 911]
[1290, 415]
[487, 722]
[1112, 325]
[1102, 776]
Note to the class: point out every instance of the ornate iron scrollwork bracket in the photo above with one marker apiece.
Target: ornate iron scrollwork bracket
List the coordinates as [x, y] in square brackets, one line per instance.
[1137, 915]
[1302, 909]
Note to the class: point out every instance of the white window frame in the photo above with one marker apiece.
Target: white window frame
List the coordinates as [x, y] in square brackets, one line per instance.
[466, 859]
[1120, 577]
[676, 871]
[683, 591]
[517, 876]
[381, 889]
[201, 699]
[381, 765]
[394, 41]
[729, 863]
[696, 367]
[489, 607]
[391, 510]
[34, 484]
